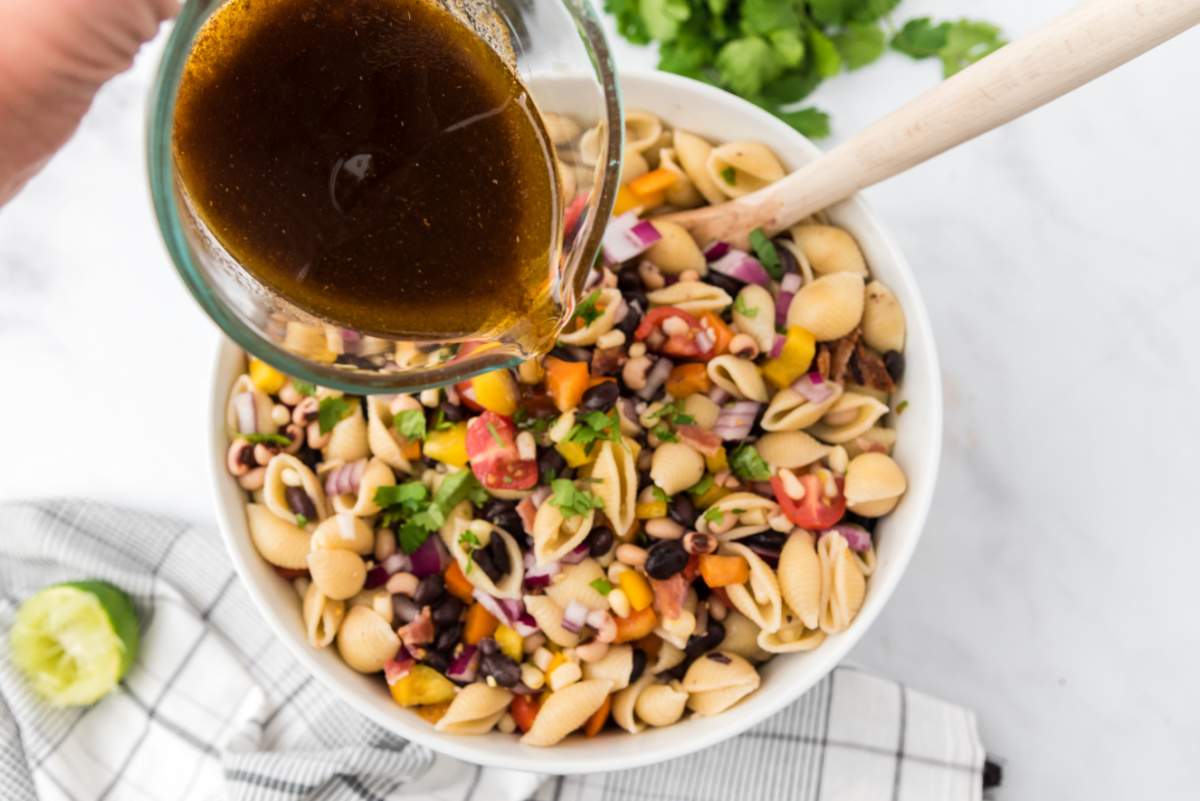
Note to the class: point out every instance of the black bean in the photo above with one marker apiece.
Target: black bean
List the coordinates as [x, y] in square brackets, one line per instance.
[702, 590]
[448, 638]
[766, 539]
[299, 502]
[488, 646]
[310, 457]
[639, 665]
[503, 514]
[429, 590]
[601, 397]
[452, 412]
[665, 559]
[482, 557]
[679, 671]
[504, 670]
[550, 462]
[712, 636]
[438, 660]
[866, 522]
[405, 608]
[600, 541]
[786, 259]
[246, 456]
[893, 360]
[499, 554]
[570, 354]
[447, 611]
[683, 511]
[730, 285]
[629, 280]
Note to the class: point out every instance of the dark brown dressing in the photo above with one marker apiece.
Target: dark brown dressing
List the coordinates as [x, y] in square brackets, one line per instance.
[372, 161]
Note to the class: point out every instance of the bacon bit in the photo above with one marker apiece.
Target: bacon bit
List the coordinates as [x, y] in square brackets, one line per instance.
[607, 361]
[669, 595]
[843, 350]
[702, 440]
[822, 362]
[869, 369]
[396, 669]
[417, 633]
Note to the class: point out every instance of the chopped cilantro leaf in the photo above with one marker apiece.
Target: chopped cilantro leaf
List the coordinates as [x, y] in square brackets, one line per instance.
[469, 541]
[573, 501]
[602, 586]
[526, 422]
[301, 520]
[440, 423]
[410, 424]
[458, 487]
[410, 496]
[714, 515]
[740, 307]
[702, 486]
[764, 248]
[901, 407]
[495, 434]
[333, 411]
[304, 388]
[664, 434]
[408, 507]
[587, 310]
[268, 439]
[748, 465]
[729, 175]
[594, 427]
[660, 494]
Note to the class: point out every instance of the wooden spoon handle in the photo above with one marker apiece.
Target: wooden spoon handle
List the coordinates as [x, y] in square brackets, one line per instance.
[1067, 53]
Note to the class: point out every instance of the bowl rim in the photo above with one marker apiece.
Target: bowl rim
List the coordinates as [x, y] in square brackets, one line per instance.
[824, 659]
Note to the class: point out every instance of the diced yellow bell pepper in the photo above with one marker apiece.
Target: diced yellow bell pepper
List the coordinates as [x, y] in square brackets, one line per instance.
[636, 589]
[626, 201]
[422, 686]
[575, 454]
[497, 392]
[794, 360]
[433, 713]
[718, 461]
[511, 644]
[448, 446]
[650, 510]
[266, 377]
[558, 659]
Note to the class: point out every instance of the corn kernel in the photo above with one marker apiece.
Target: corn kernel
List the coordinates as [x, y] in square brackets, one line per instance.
[636, 590]
[564, 675]
[554, 663]
[265, 377]
[510, 642]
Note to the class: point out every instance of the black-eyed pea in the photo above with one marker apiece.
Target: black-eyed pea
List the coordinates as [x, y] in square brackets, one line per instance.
[263, 453]
[280, 414]
[744, 347]
[239, 459]
[254, 480]
[295, 435]
[631, 555]
[634, 372]
[697, 543]
[385, 544]
[289, 394]
[402, 584]
[430, 398]
[305, 411]
[613, 339]
[664, 528]
[316, 440]
[652, 277]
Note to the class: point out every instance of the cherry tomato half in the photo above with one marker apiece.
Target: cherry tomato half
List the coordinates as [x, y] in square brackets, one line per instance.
[492, 450]
[524, 709]
[815, 511]
[684, 345]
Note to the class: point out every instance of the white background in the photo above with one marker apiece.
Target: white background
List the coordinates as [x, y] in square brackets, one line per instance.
[1055, 591]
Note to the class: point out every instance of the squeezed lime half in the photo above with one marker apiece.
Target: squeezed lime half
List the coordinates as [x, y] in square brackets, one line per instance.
[75, 641]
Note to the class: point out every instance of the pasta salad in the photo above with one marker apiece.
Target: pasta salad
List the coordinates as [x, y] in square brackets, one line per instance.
[618, 533]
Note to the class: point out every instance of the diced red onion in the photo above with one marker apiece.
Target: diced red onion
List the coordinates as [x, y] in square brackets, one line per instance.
[398, 667]
[657, 376]
[788, 288]
[736, 420]
[345, 479]
[574, 617]
[247, 415]
[813, 388]
[430, 558]
[596, 618]
[577, 555]
[396, 563]
[857, 537]
[777, 348]
[741, 266]
[465, 666]
[536, 582]
[627, 237]
[525, 625]
[717, 395]
[506, 610]
[376, 577]
[716, 250]
[534, 570]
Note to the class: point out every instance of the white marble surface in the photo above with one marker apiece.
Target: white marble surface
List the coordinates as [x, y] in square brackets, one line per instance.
[1055, 589]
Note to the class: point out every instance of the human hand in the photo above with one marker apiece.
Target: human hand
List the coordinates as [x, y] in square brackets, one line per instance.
[54, 56]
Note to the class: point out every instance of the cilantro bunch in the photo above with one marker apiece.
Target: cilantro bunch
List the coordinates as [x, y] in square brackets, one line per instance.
[775, 53]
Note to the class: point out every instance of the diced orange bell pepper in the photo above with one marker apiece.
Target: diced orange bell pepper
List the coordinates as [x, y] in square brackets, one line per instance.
[433, 712]
[479, 624]
[566, 382]
[626, 201]
[653, 183]
[722, 571]
[722, 334]
[688, 379]
[636, 626]
[457, 584]
[411, 450]
[597, 720]
[651, 644]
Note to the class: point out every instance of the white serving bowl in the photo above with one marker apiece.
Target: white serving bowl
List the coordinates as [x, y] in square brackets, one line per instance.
[720, 117]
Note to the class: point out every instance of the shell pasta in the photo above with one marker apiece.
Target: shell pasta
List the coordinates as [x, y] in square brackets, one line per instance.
[616, 535]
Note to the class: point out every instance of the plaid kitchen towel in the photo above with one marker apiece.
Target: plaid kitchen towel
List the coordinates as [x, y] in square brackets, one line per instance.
[215, 707]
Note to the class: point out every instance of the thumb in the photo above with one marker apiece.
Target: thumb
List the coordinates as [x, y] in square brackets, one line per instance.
[54, 56]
